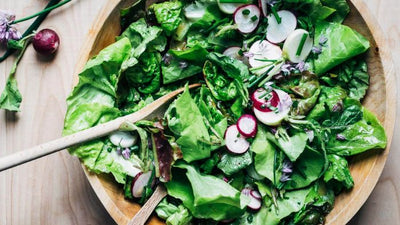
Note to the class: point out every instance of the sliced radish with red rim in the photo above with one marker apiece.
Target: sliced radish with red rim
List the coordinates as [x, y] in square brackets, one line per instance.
[255, 194]
[278, 32]
[263, 4]
[233, 52]
[234, 141]
[139, 183]
[298, 46]
[247, 125]
[228, 8]
[255, 202]
[265, 100]
[247, 18]
[274, 118]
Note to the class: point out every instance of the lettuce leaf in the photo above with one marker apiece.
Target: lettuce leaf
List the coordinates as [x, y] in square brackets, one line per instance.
[204, 195]
[342, 44]
[11, 98]
[168, 15]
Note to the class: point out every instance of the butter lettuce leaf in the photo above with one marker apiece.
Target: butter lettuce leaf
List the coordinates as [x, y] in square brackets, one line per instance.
[11, 98]
[343, 43]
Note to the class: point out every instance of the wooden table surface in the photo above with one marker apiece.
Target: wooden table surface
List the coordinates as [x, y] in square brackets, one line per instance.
[54, 190]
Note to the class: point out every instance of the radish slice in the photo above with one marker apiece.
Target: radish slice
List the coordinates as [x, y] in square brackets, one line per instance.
[278, 32]
[255, 203]
[255, 194]
[263, 4]
[123, 139]
[264, 57]
[194, 11]
[247, 125]
[234, 141]
[228, 8]
[247, 18]
[263, 100]
[275, 118]
[141, 180]
[292, 48]
[233, 52]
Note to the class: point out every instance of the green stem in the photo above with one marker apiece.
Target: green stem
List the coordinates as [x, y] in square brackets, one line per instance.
[276, 15]
[46, 10]
[301, 45]
[30, 29]
[19, 57]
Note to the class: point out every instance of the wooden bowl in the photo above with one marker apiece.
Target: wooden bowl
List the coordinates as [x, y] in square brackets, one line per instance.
[365, 168]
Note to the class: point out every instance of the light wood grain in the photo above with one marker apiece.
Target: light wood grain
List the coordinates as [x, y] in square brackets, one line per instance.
[53, 190]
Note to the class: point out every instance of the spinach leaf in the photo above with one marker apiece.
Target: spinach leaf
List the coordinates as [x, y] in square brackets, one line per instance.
[168, 15]
[341, 7]
[222, 88]
[231, 164]
[343, 43]
[307, 169]
[361, 136]
[211, 18]
[352, 76]
[313, 8]
[147, 68]
[178, 70]
[338, 174]
[234, 68]
[292, 145]
[204, 195]
[11, 98]
[196, 54]
[329, 98]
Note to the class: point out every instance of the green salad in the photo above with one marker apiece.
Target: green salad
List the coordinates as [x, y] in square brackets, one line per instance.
[265, 138]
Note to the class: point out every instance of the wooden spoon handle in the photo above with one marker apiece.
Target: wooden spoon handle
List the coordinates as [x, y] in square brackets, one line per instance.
[144, 213]
[86, 135]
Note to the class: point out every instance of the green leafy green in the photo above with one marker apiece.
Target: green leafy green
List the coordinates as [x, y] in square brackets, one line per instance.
[329, 98]
[231, 164]
[361, 136]
[11, 98]
[338, 174]
[174, 72]
[308, 168]
[174, 215]
[204, 195]
[341, 7]
[352, 76]
[343, 43]
[196, 54]
[168, 15]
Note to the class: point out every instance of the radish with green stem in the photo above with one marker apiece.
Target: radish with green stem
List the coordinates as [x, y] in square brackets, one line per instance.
[247, 18]
[278, 31]
[46, 42]
[297, 46]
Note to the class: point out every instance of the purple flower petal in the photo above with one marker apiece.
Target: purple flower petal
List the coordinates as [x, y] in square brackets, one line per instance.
[126, 153]
[316, 50]
[322, 40]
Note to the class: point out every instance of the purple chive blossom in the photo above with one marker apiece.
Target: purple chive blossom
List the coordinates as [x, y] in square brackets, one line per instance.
[126, 153]
[310, 135]
[287, 68]
[285, 177]
[273, 2]
[316, 50]
[183, 64]
[119, 150]
[301, 66]
[7, 31]
[338, 107]
[274, 130]
[287, 167]
[248, 54]
[225, 179]
[167, 59]
[340, 137]
[322, 40]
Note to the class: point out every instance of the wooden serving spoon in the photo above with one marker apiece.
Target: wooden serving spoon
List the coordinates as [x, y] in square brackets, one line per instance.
[148, 112]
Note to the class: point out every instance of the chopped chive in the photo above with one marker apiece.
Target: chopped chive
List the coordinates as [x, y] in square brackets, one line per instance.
[254, 18]
[246, 12]
[275, 13]
[263, 95]
[266, 60]
[301, 45]
[261, 77]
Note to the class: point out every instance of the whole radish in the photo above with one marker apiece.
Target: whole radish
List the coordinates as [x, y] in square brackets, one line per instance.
[46, 42]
